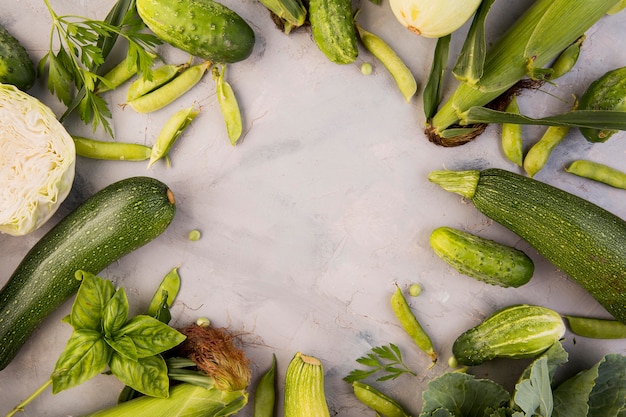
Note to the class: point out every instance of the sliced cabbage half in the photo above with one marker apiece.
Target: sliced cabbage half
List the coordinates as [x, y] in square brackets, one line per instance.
[37, 162]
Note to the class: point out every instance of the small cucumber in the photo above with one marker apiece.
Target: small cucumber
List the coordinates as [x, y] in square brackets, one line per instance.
[333, 29]
[16, 67]
[517, 332]
[204, 28]
[110, 224]
[606, 93]
[482, 259]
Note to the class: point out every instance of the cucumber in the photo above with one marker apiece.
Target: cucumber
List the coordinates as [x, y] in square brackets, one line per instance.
[204, 28]
[110, 224]
[585, 241]
[482, 259]
[334, 33]
[606, 93]
[516, 332]
[16, 67]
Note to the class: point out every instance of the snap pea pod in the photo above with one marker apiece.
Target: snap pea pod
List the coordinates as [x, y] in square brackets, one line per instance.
[411, 325]
[171, 132]
[401, 74]
[596, 328]
[169, 287]
[117, 75]
[116, 151]
[567, 59]
[167, 93]
[160, 76]
[512, 136]
[229, 106]
[598, 172]
[377, 401]
[265, 394]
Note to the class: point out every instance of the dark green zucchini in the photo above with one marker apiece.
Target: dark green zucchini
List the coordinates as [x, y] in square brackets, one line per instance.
[585, 241]
[16, 67]
[110, 224]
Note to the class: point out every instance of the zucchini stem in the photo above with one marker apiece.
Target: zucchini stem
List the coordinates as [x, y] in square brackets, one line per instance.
[460, 182]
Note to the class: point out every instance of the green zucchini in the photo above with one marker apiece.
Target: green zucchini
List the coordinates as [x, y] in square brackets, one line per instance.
[606, 93]
[334, 33]
[585, 241]
[204, 28]
[482, 259]
[16, 67]
[110, 224]
[516, 332]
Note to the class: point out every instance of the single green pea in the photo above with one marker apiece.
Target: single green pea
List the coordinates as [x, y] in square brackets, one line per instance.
[115, 151]
[366, 68]
[160, 76]
[265, 393]
[377, 401]
[512, 140]
[387, 56]
[567, 59]
[598, 172]
[415, 290]
[194, 235]
[228, 106]
[596, 328]
[169, 287]
[171, 132]
[167, 93]
[411, 325]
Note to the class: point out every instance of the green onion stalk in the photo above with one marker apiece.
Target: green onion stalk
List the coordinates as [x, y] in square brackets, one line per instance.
[521, 54]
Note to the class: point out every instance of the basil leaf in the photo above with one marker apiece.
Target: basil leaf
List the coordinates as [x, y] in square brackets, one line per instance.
[151, 336]
[115, 313]
[146, 375]
[92, 296]
[123, 345]
[86, 354]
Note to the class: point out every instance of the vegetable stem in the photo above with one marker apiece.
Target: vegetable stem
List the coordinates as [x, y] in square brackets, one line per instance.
[20, 407]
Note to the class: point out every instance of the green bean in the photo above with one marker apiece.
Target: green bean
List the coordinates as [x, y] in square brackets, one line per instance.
[116, 151]
[229, 106]
[512, 136]
[411, 326]
[598, 172]
[160, 77]
[378, 401]
[171, 132]
[397, 68]
[265, 393]
[567, 59]
[169, 286]
[596, 328]
[170, 91]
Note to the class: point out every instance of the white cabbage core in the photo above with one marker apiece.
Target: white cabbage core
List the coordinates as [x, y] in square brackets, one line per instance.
[37, 162]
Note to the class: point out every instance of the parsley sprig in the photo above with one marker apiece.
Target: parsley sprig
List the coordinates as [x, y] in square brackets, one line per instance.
[82, 46]
[387, 359]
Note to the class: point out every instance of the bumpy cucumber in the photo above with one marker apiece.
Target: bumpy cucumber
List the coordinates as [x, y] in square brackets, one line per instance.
[517, 332]
[606, 93]
[585, 241]
[16, 67]
[482, 259]
[204, 28]
[110, 224]
[333, 29]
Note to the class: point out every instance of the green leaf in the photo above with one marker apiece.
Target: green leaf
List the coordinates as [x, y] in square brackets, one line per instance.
[369, 360]
[85, 355]
[147, 375]
[556, 356]
[151, 336]
[93, 294]
[462, 395]
[60, 80]
[432, 89]
[124, 346]
[115, 313]
[534, 395]
[571, 396]
[608, 396]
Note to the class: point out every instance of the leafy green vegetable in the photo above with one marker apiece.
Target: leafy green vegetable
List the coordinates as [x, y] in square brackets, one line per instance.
[387, 359]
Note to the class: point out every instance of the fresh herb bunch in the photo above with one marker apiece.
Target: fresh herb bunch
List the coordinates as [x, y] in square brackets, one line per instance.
[83, 46]
[387, 359]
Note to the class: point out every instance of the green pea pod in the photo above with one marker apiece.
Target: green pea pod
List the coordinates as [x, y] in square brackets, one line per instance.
[410, 324]
[596, 328]
[117, 151]
[265, 394]
[567, 59]
[171, 132]
[598, 172]
[160, 76]
[229, 106]
[399, 71]
[378, 401]
[167, 93]
[170, 285]
[512, 136]
[117, 75]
